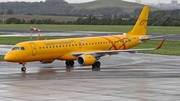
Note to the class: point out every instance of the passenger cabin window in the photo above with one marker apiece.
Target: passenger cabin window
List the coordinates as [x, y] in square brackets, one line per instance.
[18, 48]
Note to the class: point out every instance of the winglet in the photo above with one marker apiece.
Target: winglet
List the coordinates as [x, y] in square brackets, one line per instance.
[38, 37]
[161, 44]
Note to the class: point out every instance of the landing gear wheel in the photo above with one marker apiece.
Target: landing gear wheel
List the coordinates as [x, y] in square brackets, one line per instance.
[69, 63]
[23, 69]
[97, 64]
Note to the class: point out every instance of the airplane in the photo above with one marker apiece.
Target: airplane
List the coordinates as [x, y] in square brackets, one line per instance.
[86, 50]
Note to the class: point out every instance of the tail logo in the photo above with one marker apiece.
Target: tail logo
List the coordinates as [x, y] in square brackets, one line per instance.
[142, 22]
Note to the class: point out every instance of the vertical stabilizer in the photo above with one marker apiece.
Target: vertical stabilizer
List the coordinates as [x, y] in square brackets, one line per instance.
[141, 23]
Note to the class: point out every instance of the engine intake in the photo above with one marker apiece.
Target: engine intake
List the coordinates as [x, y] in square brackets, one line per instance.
[86, 60]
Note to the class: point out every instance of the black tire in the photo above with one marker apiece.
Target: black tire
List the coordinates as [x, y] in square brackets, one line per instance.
[23, 69]
[93, 66]
[69, 63]
[97, 64]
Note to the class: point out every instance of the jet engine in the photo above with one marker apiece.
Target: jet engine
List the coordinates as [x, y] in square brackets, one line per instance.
[46, 61]
[86, 60]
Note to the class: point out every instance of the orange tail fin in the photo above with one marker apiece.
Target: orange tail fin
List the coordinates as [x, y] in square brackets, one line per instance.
[141, 23]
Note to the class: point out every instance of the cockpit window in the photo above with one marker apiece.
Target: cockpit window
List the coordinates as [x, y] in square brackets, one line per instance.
[18, 48]
[15, 48]
[22, 48]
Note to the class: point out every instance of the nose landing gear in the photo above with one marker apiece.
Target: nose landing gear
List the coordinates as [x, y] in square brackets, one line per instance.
[23, 69]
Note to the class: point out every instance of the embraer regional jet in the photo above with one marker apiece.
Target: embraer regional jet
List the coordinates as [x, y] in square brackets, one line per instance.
[86, 50]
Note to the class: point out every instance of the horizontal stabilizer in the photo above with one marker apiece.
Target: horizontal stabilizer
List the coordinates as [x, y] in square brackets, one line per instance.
[154, 37]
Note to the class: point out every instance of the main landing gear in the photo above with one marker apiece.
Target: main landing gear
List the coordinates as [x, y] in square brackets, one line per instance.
[69, 63]
[97, 64]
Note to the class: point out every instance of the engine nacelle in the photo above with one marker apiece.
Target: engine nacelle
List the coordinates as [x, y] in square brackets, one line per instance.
[86, 60]
[46, 61]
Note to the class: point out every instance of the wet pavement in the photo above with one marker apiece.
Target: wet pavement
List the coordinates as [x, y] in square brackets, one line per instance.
[123, 77]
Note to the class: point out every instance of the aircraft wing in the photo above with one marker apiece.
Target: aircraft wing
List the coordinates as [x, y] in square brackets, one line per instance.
[111, 52]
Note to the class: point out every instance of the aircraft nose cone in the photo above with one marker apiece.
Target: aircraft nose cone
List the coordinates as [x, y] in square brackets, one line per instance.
[8, 58]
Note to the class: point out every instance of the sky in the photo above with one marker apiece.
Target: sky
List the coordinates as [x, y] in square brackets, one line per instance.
[81, 1]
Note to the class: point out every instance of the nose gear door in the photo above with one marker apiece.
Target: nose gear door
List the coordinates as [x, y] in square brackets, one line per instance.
[34, 49]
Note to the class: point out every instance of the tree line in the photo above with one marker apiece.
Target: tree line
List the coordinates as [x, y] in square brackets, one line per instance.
[57, 7]
[47, 7]
[93, 20]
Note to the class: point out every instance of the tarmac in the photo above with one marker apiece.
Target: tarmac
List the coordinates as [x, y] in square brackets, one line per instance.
[123, 77]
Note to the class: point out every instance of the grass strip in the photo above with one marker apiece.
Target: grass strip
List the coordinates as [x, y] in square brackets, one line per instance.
[1, 57]
[168, 48]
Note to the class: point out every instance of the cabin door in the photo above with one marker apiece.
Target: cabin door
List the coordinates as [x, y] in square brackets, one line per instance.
[33, 48]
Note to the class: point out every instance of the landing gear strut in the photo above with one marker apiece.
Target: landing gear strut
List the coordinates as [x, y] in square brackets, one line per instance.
[97, 64]
[69, 63]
